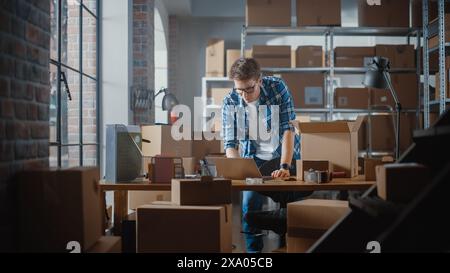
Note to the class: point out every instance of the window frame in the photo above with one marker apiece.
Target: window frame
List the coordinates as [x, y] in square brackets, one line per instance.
[60, 65]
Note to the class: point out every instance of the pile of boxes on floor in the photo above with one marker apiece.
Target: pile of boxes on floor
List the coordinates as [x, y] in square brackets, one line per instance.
[197, 219]
[62, 211]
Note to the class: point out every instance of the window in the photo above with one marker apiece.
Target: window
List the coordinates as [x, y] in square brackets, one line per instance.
[74, 107]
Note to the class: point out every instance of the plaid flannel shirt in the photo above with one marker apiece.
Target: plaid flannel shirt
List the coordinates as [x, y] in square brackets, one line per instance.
[273, 92]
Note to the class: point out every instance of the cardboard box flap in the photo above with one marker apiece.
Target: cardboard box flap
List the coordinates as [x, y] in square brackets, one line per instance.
[327, 127]
[320, 127]
[354, 126]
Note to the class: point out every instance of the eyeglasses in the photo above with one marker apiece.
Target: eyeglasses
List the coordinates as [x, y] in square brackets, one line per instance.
[247, 90]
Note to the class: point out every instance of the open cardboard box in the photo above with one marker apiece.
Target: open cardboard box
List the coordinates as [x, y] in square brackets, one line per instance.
[335, 141]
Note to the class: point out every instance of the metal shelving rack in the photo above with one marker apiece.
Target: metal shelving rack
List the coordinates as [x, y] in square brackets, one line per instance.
[329, 33]
[441, 48]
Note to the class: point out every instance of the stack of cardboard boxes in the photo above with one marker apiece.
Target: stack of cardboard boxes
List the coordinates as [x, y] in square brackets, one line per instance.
[60, 210]
[198, 219]
[162, 143]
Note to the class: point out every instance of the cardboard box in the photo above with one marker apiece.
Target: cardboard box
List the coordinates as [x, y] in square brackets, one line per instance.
[140, 198]
[184, 229]
[272, 56]
[215, 58]
[318, 13]
[309, 56]
[107, 244]
[401, 182]
[383, 131]
[351, 98]
[417, 12]
[406, 87]
[307, 89]
[194, 192]
[335, 141]
[400, 56]
[233, 55]
[202, 148]
[218, 94]
[57, 206]
[318, 165]
[162, 142]
[370, 164]
[391, 13]
[353, 56]
[260, 13]
[434, 41]
[437, 93]
[309, 219]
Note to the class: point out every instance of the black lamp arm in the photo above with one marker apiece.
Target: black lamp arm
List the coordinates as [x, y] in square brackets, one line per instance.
[398, 108]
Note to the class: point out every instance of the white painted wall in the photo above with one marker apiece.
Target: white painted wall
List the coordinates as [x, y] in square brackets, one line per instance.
[116, 65]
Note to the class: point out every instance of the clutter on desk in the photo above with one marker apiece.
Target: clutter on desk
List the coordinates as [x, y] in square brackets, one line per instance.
[315, 176]
[162, 169]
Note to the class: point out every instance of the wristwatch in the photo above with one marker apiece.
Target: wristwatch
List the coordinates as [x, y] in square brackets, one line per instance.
[285, 166]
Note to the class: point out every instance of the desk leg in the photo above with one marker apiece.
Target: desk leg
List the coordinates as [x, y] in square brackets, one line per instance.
[120, 210]
[104, 211]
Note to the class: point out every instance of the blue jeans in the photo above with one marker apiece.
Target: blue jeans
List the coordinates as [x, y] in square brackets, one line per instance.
[252, 201]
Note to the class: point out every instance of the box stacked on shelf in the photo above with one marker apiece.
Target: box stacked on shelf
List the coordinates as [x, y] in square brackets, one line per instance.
[268, 13]
[351, 98]
[353, 56]
[272, 56]
[318, 13]
[389, 13]
[309, 56]
[307, 89]
[215, 58]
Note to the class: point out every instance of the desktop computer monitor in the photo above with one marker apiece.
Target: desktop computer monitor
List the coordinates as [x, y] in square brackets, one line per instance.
[123, 153]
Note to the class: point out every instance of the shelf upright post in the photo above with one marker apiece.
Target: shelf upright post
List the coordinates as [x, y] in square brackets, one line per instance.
[426, 66]
[442, 72]
[327, 81]
[418, 73]
[331, 91]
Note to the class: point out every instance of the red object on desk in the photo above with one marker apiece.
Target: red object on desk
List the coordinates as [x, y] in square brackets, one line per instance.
[163, 170]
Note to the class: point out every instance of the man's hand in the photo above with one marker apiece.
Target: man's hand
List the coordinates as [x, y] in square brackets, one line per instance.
[281, 173]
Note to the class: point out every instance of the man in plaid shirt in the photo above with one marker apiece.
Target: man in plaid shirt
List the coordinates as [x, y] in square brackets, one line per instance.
[250, 92]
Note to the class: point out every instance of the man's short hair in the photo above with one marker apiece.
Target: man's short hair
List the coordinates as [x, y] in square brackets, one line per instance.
[245, 69]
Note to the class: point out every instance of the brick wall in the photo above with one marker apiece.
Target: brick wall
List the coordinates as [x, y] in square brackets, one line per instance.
[24, 99]
[72, 58]
[173, 52]
[143, 53]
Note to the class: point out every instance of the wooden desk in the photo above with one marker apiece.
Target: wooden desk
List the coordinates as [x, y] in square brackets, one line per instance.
[121, 190]
[337, 184]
